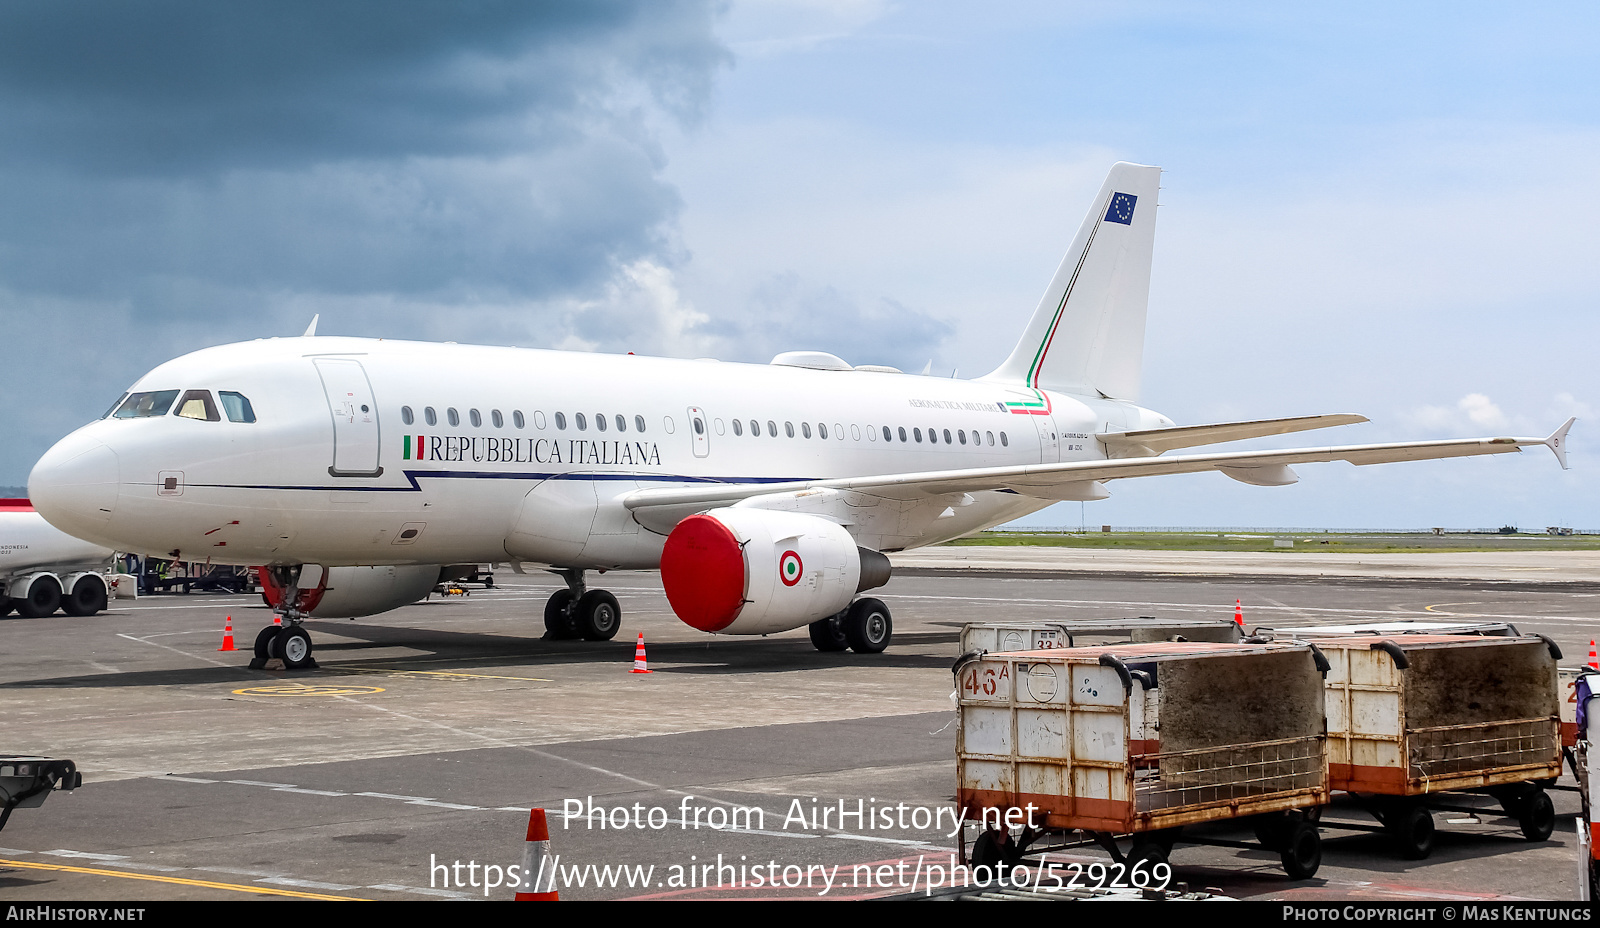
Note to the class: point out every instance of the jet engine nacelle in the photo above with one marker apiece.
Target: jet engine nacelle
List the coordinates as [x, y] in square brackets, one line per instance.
[755, 571]
[348, 592]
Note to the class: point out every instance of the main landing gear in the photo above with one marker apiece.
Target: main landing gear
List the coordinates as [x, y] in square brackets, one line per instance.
[864, 628]
[578, 612]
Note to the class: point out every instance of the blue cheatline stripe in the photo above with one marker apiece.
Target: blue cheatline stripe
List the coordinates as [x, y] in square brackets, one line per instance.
[412, 475]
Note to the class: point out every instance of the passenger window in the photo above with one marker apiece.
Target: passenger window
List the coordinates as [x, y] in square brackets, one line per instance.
[755, 428]
[405, 411]
[197, 404]
[1004, 441]
[902, 430]
[146, 405]
[933, 437]
[738, 429]
[517, 420]
[962, 434]
[580, 421]
[772, 428]
[789, 427]
[476, 417]
[498, 420]
[991, 438]
[561, 421]
[805, 429]
[947, 437]
[622, 422]
[429, 416]
[638, 423]
[600, 421]
[237, 408]
[453, 416]
[822, 430]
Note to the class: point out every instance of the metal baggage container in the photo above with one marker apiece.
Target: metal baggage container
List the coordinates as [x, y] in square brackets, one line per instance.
[1141, 739]
[1035, 636]
[1414, 715]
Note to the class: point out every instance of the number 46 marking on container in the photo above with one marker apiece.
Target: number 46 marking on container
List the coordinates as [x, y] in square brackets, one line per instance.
[988, 683]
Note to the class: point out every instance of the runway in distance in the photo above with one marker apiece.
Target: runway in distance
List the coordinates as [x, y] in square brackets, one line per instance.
[356, 470]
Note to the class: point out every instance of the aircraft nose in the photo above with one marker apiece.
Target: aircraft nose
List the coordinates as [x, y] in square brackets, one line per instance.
[75, 483]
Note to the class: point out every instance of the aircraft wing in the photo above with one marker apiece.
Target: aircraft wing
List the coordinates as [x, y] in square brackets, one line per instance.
[1145, 442]
[1047, 481]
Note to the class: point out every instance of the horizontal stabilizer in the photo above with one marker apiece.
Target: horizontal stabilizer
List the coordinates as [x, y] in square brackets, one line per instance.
[1147, 442]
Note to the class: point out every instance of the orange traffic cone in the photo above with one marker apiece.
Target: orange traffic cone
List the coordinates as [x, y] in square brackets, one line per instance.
[1594, 660]
[1238, 614]
[638, 657]
[538, 867]
[227, 637]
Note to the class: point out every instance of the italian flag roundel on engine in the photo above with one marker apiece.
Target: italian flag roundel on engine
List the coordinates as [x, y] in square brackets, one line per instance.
[790, 568]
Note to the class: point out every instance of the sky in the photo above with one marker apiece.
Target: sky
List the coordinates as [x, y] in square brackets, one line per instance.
[1372, 208]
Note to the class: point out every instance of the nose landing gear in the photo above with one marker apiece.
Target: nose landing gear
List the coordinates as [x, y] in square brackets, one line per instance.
[289, 642]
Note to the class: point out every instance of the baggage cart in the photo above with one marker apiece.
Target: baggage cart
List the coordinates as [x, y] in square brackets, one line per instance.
[1137, 741]
[1414, 716]
[1034, 636]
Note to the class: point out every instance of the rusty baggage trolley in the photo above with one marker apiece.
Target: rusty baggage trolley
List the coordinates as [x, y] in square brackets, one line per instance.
[1137, 741]
[1413, 716]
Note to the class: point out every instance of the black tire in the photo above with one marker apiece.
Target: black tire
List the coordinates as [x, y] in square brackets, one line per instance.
[44, 598]
[990, 850]
[558, 616]
[828, 634]
[488, 582]
[1538, 818]
[1413, 831]
[867, 626]
[264, 639]
[293, 645]
[1271, 830]
[1302, 852]
[599, 616]
[5, 606]
[88, 596]
[1149, 852]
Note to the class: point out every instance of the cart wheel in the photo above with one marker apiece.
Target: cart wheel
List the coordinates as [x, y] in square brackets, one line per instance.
[991, 851]
[1302, 852]
[1538, 817]
[1271, 831]
[1413, 831]
[1149, 852]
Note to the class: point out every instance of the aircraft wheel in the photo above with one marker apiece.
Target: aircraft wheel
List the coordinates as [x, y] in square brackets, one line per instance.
[558, 616]
[5, 606]
[1302, 854]
[599, 615]
[992, 849]
[828, 634]
[264, 639]
[43, 598]
[1413, 830]
[293, 644]
[867, 626]
[1538, 817]
[88, 596]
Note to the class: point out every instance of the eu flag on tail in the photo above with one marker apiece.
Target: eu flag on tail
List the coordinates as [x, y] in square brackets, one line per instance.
[1121, 208]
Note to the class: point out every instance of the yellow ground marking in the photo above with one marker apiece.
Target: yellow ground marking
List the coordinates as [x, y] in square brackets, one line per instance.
[438, 673]
[300, 689]
[1443, 605]
[179, 881]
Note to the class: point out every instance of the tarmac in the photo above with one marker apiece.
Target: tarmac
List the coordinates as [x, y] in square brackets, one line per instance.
[427, 733]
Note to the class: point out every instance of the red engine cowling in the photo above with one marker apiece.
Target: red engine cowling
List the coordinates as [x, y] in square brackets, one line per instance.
[755, 571]
[348, 592]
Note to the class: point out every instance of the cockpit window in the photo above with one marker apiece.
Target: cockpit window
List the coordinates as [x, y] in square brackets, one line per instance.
[238, 409]
[108, 412]
[197, 404]
[145, 405]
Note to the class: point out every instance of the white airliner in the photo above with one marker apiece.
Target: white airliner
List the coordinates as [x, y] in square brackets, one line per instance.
[356, 469]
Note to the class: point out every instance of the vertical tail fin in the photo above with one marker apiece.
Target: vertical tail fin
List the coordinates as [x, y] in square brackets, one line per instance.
[1087, 336]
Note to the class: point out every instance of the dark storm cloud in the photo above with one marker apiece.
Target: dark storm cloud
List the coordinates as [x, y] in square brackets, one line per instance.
[184, 87]
[181, 174]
